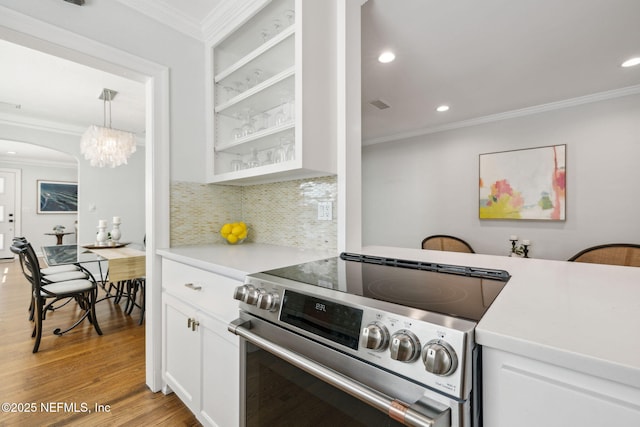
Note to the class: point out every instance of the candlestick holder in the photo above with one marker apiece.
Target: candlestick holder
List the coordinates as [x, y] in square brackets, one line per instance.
[101, 237]
[525, 250]
[115, 233]
[513, 245]
[519, 250]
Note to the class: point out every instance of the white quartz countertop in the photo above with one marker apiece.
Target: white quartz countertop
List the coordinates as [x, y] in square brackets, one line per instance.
[236, 261]
[584, 317]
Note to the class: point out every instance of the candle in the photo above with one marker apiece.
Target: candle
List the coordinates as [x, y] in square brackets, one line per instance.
[513, 237]
[102, 223]
[116, 220]
[526, 242]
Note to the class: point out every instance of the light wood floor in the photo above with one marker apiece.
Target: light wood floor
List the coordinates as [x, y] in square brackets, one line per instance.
[80, 369]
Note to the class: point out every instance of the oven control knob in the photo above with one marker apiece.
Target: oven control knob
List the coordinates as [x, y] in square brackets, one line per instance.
[268, 301]
[253, 295]
[405, 346]
[241, 292]
[439, 358]
[375, 337]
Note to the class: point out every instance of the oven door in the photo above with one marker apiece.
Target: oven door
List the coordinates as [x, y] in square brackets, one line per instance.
[289, 380]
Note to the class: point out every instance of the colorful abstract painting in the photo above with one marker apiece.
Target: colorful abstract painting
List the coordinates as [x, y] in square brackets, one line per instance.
[523, 184]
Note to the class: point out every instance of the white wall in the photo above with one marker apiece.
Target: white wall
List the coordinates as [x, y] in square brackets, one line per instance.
[429, 184]
[111, 23]
[113, 192]
[33, 225]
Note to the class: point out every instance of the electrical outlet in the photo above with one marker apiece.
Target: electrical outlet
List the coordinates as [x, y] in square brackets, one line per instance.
[325, 211]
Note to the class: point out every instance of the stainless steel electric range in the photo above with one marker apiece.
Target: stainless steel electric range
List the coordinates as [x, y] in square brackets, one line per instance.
[362, 340]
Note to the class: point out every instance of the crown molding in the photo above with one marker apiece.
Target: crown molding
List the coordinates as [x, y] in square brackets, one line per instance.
[41, 125]
[51, 126]
[24, 161]
[227, 16]
[536, 109]
[168, 16]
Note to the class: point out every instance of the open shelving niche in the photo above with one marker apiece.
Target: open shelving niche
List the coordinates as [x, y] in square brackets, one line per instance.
[237, 58]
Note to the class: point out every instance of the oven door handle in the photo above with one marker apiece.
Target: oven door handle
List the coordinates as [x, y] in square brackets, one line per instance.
[395, 408]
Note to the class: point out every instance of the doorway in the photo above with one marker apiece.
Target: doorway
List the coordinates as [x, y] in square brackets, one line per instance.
[9, 193]
[24, 30]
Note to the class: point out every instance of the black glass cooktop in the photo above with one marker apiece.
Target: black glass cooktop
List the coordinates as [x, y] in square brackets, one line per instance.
[464, 292]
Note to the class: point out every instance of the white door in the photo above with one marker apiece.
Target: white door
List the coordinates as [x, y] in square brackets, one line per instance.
[7, 212]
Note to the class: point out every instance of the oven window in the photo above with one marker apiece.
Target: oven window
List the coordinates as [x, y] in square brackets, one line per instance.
[279, 394]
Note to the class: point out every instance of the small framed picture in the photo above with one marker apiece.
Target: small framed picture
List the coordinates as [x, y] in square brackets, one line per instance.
[56, 197]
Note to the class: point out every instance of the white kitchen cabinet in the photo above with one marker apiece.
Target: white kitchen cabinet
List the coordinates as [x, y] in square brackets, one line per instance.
[272, 94]
[518, 391]
[181, 351]
[200, 358]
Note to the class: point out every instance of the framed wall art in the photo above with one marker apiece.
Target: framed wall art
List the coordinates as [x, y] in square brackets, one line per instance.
[57, 197]
[523, 184]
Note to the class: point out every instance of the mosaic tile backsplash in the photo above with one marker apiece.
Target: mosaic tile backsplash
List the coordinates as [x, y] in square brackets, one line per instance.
[283, 213]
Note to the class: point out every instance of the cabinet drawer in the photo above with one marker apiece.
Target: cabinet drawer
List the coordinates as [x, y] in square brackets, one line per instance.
[208, 291]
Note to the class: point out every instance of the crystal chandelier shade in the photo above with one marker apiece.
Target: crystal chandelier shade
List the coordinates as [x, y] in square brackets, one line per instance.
[104, 146]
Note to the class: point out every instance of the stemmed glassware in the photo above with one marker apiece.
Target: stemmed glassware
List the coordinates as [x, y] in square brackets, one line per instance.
[277, 26]
[247, 126]
[229, 91]
[289, 15]
[262, 121]
[285, 151]
[290, 150]
[280, 153]
[236, 132]
[253, 160]
[258, 76]
[265, 35]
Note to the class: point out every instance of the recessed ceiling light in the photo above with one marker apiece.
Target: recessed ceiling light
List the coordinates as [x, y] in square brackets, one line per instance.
[631, 62]
[11, 152]
[442, 108]
[386, 57]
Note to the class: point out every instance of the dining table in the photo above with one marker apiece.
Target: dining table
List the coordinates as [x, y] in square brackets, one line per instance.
[126, 267]
[124, 263]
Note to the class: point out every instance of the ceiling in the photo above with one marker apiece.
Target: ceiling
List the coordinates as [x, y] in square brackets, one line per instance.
[486, 58]
[483, 59]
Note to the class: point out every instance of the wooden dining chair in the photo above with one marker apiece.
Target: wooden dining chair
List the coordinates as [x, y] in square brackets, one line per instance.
[443, 242]
[84, 291]
[626, 254]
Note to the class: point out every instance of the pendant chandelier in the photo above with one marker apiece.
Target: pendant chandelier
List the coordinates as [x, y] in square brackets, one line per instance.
[105, 146]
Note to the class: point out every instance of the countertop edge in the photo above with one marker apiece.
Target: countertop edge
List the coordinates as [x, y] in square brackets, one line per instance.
[563, 358]
[236, 261]
[204, 265]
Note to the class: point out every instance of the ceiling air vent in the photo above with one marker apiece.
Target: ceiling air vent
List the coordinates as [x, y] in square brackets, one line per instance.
[78, 2]
[379, 104]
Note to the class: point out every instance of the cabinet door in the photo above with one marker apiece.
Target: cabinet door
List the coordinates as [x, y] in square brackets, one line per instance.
[181, 352]
[522, 392]
[220, 373]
